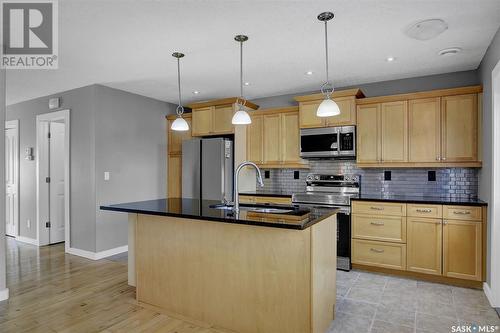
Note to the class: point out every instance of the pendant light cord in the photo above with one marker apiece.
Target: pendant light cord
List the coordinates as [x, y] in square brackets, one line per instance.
[179, 79]
[326, 51]
[241, 70]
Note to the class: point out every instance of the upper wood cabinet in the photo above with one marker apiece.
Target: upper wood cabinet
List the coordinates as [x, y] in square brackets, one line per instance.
[175, 138]
[214, 117]
[346, 100]
[273, 138]
[382, 132]
[174, 156]
[429, 129]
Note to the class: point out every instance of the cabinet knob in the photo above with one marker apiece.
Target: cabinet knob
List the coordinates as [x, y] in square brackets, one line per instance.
[444, 158]
[438, 158]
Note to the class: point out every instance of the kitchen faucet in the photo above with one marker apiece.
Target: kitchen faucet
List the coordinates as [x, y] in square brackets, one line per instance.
[236, 174]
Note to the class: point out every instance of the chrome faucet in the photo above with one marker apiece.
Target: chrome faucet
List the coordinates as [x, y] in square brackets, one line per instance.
[236, 208]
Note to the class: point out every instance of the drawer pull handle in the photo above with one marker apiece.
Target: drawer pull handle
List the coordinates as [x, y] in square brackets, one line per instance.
[460, 212]
[377, 208]
[377, 223]
[376, 250]
[428, 210]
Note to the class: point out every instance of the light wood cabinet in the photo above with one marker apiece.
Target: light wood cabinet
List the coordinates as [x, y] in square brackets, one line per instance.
[428, 129]
[424, 244]
[215, 117]
[439, 240]
[459, 128]
[175, 138]
[462, 249]
[394, 131]
[174, 156]
[257, 199]
[424, 130]
[346, 100]
[273, 138]
[174, 179]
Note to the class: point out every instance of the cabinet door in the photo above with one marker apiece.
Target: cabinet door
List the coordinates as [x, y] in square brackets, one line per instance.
[222, 117]
[202, 121]
[272, 139]
[459, 128]
[174, 176]
[394, 131]
[290, 137]
[254, 140]
[175, 138]
[308, 117]
[368, 142]
[347, 116]
[424, 245]
[462, 249]
[424, 130]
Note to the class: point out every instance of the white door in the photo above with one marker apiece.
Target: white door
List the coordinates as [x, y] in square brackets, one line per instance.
[56, 184]
[11, 181]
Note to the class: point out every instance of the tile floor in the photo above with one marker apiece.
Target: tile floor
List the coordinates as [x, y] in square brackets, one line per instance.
[374, 303]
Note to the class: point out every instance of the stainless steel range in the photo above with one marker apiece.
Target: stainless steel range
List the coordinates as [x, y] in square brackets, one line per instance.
[325, 191]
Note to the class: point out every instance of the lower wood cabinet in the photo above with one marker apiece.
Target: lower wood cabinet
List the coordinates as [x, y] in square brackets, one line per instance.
[424, 245]
[251, 199]
[440, 240]
[462, 249]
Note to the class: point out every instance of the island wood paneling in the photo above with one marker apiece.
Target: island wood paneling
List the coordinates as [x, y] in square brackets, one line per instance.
[243, 278]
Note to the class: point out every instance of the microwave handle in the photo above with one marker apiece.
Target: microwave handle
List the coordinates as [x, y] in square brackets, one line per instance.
[338, 141]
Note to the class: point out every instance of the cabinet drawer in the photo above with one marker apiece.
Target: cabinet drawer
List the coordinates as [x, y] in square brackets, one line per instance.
[421, 210]
[462, 213]
[383, 228]
[378, 208]
[274, 200]
[380, 254]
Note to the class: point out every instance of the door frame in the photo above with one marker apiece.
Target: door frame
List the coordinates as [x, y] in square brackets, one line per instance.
[8, 125]
[42, 233]
[495, 189]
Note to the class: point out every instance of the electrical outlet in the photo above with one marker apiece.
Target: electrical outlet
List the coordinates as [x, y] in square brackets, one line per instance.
[296, 174]
[28, 223]
[431, 176]
[387, 175]
[267, 174]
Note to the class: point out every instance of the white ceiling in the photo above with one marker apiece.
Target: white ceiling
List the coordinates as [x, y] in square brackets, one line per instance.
[128, 45]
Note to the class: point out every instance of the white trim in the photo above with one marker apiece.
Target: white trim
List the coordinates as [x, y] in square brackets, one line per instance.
[27, 240]
[98, 255]
[52, 116]
[489, 295]
[494, 283]
[8, 125]
[4, 294]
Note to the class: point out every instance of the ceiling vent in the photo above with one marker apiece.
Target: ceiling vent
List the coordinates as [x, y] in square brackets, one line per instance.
[427, 29]
[450, 51]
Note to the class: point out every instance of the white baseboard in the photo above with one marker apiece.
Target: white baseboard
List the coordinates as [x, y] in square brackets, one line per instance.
[98, 255]
[489, 295]
[27, 240]
[4, 294]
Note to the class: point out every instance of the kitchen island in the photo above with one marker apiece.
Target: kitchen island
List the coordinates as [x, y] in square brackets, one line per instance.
[254, 272]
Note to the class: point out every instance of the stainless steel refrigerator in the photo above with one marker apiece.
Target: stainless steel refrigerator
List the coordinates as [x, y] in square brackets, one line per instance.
[207, 169]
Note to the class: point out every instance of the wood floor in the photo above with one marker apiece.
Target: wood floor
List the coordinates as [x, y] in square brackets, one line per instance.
[56, 292]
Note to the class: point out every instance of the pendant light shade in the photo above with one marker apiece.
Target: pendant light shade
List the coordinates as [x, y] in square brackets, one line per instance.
[241, 117]
[327, 108]
[179, 124]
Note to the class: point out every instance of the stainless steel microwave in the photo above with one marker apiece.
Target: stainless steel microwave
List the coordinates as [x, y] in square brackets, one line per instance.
[329, 142]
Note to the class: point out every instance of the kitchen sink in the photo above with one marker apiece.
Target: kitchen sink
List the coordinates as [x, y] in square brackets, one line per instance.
[270, 210]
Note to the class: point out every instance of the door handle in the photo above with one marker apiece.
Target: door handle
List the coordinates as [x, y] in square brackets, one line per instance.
[377, 208]
[460, 212]
[428, 210]
[377, 223]
[376, 250]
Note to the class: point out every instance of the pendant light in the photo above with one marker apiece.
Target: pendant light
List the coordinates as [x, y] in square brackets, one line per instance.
[241, 117]
[328, 107]
[179, 124]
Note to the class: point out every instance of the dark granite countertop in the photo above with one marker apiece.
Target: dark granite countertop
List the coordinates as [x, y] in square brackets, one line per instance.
[300, 217]
[264, 193]
[422, 199]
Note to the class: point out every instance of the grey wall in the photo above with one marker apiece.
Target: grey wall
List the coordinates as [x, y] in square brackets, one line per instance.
[130, 135]
[3, 248]
[423, 83]
[82, 203]
[111, 130]
[488, 63]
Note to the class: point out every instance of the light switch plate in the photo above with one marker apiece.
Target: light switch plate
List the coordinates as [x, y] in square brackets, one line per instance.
[106, 175]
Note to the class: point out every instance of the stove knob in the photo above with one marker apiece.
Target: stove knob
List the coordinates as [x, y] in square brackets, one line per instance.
[316, 177]
[309, 177]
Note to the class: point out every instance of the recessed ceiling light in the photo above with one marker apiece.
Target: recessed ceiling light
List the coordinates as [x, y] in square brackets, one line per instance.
[450, 51]
[390, 59]
[196, 92]
[309, 73]
[427, 29]
[247, 83]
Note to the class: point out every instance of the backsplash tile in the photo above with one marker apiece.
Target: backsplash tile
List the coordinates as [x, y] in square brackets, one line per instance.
[450, 182]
